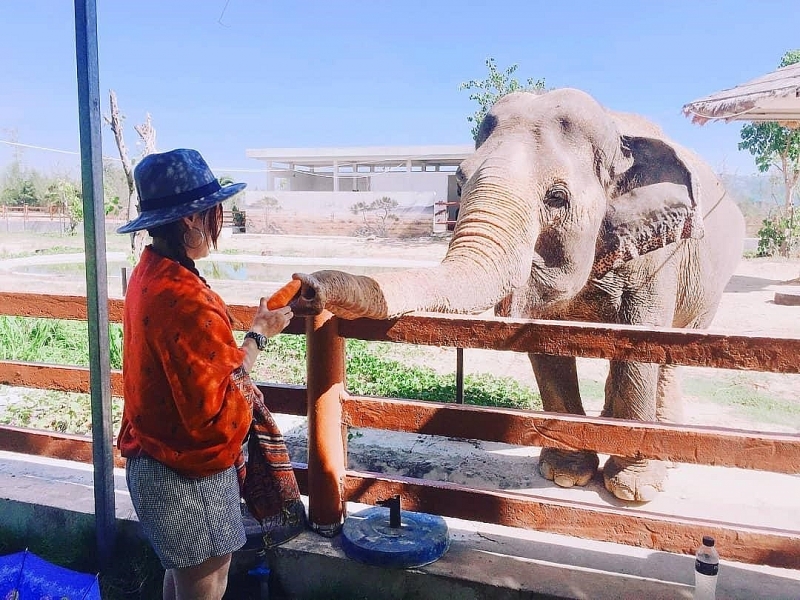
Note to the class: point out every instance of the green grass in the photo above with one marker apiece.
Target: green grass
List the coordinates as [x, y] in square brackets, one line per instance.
[739, 393]
[53, 341]
[372, 369]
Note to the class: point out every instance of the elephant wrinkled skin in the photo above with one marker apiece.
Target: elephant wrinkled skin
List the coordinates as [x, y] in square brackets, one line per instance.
[570, 211]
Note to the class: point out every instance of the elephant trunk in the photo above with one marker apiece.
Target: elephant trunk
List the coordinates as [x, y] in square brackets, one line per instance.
[489, 256]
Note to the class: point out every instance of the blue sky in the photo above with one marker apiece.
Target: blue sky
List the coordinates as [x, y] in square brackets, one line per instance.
[226, 75]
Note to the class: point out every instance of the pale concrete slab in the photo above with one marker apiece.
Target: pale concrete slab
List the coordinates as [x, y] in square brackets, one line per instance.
[484, 561]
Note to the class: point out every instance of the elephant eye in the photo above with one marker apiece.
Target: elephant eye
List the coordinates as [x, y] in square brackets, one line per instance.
[557, 197]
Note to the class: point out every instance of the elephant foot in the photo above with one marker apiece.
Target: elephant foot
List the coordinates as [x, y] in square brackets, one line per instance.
[566, 468]
[634, 479]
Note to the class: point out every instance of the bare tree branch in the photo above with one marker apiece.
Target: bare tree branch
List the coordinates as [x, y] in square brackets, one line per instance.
[116, 122]
[147, 132]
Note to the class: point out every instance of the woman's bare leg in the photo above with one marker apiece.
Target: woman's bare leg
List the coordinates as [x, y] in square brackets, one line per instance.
[206, 581]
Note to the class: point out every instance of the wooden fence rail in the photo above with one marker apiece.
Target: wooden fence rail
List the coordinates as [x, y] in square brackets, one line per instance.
[329, 485]
[25, 211]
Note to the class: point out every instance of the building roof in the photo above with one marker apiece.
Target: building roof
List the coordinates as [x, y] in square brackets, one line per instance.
[771, 97]
[442, 155]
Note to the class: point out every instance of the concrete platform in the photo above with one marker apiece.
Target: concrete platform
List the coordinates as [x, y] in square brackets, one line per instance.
[788, 295]
[755, 498]
[484, 561]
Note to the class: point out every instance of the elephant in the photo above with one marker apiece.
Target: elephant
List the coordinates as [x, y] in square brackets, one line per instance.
[570, 211]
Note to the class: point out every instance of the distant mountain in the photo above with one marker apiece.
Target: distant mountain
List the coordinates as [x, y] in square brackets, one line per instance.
[754, 189]
[757, 195]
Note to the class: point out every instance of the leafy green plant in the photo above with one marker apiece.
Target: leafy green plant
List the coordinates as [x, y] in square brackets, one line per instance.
[66, 195]
[487, 91]
[779, 234]
[239, 218]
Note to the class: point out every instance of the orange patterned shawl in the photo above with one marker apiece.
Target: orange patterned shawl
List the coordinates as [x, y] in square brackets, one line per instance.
[182, 405]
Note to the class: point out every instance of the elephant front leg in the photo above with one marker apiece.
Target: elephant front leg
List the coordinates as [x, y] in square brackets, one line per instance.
[631, 394]
[557, 378]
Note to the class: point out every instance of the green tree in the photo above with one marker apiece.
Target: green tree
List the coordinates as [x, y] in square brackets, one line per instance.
[20, 185]
[115, 189]
[776, 146]
[66, 194]
[487, 91]
[20, 192]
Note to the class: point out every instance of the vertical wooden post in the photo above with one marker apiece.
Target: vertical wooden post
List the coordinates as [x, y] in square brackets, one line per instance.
[325, 365]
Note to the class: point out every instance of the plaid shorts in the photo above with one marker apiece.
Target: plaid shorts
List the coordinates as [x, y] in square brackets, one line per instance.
[187, 521]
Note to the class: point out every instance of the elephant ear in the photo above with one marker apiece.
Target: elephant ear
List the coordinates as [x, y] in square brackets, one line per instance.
[645, 219]
[654, 201]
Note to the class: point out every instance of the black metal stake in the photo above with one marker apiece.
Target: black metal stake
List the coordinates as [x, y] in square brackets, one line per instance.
[394, 510]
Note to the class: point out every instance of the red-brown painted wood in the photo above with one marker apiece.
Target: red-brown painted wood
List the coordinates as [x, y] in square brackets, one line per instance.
[774, 547]
[52, 445]
[46, 306]
[570, 338]
[701, 445]
[328, 486]
[280, 398]
[326, 466]
[78, 448]
[562, 338]
[62, 378]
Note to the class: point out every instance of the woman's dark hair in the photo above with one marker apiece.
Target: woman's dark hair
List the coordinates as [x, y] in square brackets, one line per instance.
[175, 248]
[173, 236]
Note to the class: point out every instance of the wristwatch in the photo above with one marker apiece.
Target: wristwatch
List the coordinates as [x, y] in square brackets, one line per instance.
[259, 338]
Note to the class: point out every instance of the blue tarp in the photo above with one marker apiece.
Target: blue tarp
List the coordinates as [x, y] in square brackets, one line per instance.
[33, 578]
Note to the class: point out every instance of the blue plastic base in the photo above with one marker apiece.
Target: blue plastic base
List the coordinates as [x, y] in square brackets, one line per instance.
[420, 539]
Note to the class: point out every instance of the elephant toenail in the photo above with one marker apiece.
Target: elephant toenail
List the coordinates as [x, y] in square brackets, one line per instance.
[564, 481]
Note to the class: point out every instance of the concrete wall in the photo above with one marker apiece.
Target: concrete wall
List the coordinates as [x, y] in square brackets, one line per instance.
[330, 213]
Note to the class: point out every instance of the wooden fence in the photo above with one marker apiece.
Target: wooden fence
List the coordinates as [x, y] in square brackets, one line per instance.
[52, 212]
[329, 485]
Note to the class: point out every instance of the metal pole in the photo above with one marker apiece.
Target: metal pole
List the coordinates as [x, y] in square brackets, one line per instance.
[96, 277]
[325, 364]
[459, 376]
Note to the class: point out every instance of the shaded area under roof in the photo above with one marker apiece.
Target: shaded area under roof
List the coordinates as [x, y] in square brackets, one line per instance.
[771, 97]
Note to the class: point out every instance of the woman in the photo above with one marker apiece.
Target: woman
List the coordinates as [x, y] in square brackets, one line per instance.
[188, 395]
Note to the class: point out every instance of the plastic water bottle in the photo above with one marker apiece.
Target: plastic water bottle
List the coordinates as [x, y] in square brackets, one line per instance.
[706, 568]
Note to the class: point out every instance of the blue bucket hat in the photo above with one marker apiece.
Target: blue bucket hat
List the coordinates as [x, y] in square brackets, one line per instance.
[172, 185]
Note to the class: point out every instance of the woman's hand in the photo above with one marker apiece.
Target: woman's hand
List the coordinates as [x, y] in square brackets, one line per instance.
[271, 322]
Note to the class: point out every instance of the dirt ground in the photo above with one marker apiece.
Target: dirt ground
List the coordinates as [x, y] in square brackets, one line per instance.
[747, 307]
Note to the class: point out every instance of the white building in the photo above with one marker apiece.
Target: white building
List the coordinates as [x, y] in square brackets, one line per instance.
[327, 183]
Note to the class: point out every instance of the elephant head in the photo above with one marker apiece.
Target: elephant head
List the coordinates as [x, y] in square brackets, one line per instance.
[557, 191]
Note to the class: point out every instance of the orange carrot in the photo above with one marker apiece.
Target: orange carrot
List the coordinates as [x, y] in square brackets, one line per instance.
[284, 295]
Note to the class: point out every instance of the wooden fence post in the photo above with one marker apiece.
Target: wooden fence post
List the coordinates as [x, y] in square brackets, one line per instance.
[325, 364]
